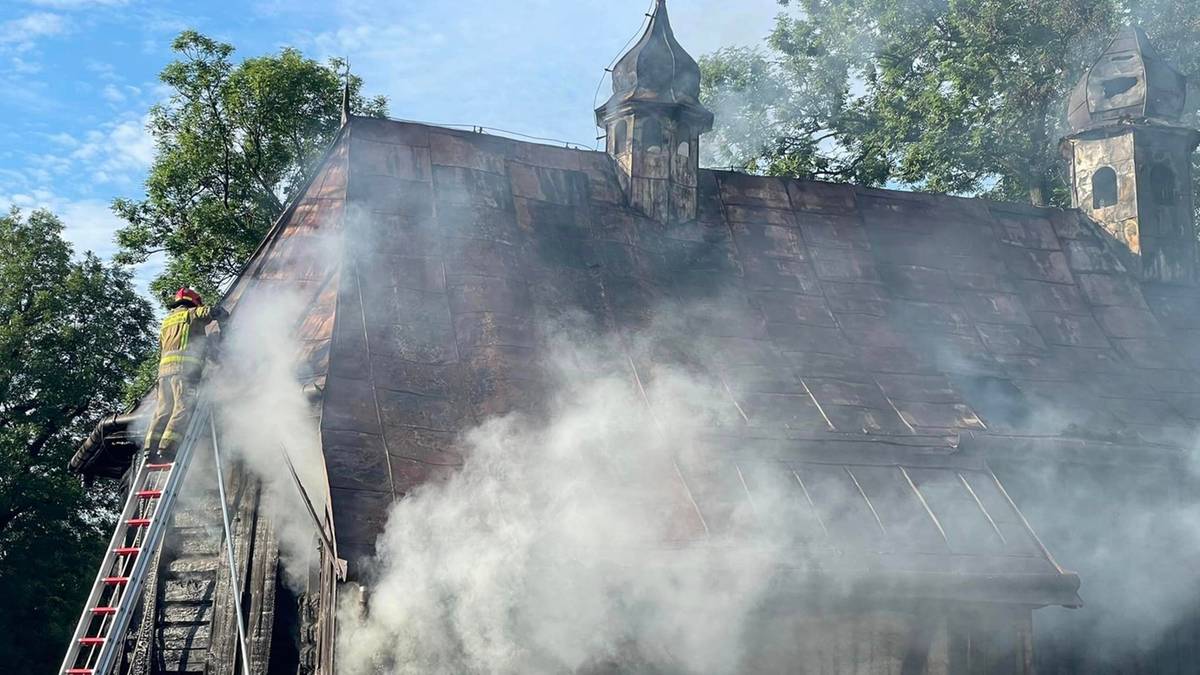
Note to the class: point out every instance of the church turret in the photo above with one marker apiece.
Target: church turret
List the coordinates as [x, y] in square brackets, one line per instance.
[653, 123]
[1130, 157]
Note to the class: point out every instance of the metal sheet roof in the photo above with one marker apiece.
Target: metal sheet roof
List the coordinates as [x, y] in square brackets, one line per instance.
[874, 330]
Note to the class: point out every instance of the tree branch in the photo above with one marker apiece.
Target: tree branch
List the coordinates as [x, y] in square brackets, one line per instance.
[52, 428]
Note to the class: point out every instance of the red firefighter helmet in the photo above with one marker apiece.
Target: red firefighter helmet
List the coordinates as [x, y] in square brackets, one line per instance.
[186, 295]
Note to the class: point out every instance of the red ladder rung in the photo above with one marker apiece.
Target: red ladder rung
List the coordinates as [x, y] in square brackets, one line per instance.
[158, 467]
[91, 641]
[78, 671]
[138, 522]
[149, 494]
[104, 610]
[127, 550]
[116, 581]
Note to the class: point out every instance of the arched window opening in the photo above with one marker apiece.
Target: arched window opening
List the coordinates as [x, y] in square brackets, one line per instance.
[1162, 184]
[684, 150]
[652, 134]
[620, 136]
[1104, 188]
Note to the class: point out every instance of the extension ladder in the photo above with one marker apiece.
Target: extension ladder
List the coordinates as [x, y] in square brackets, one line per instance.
[100, 636]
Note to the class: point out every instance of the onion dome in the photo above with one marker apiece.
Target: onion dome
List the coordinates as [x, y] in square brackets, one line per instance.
[657, 71]
[1130, 80]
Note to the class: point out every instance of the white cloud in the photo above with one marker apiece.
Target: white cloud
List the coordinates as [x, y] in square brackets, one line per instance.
[541, 62]
[707, 25]
[50, 163]
[91, 226]
[22, 33]
[122, 149]
[112, 94]
[19, 200]
[133, 144]
[19, 91]
[90, 223]
[121, 95]
[78, 4]
[111, 159]
[63, 138]
[22, 66]
[105, 71]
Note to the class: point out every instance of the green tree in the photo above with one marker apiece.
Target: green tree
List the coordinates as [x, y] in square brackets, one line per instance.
[234, 142]
[960, 96]
[72, 332]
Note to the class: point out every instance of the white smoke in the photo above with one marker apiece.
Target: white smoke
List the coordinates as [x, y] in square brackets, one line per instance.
[568, 541]
[1133, 535]
[262, 411]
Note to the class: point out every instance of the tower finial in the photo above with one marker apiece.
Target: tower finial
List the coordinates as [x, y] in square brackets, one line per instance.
[653, 122]
[346, 95]
[660, 11]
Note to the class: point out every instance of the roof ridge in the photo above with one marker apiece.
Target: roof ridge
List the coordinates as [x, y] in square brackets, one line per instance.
[482, 130]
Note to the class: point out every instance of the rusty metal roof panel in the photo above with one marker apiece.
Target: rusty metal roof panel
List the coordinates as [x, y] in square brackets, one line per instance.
[843, 313]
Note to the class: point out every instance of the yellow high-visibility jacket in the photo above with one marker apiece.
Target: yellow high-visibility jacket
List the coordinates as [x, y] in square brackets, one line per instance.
[182, 340]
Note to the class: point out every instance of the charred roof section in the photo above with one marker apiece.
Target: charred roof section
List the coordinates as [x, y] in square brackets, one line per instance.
[868, 339]
[1130, 80]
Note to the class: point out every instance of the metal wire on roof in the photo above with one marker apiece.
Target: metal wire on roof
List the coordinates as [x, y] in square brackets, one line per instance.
[620, 52]
[479, 129]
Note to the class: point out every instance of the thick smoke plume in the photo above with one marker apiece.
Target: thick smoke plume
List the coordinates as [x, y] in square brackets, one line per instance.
[1133, 536]
[261, 410]
[568, 543]
[561, 544]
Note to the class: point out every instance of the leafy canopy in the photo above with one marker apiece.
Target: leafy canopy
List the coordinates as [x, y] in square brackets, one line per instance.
[72, 332]
[234, 142]
[960, 96]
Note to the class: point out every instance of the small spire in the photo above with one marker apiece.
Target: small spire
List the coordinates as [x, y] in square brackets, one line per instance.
[346, 95]
[660, 13]
[656, 70]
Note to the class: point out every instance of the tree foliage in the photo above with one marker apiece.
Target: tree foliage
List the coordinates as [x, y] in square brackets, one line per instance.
[72, 331]
[960, 96]
[234, 142]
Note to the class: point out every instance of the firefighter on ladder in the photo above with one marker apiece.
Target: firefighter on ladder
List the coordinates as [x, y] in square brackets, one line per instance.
[182, 342]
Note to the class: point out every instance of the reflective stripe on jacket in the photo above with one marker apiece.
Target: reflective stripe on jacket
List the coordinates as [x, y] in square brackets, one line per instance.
[181, 340]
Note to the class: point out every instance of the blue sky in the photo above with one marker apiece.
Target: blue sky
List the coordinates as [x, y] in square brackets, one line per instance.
[77, 76]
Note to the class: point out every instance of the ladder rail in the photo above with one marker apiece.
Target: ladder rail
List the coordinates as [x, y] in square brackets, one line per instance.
[105, 652]
[106, 567]
[235, 587]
